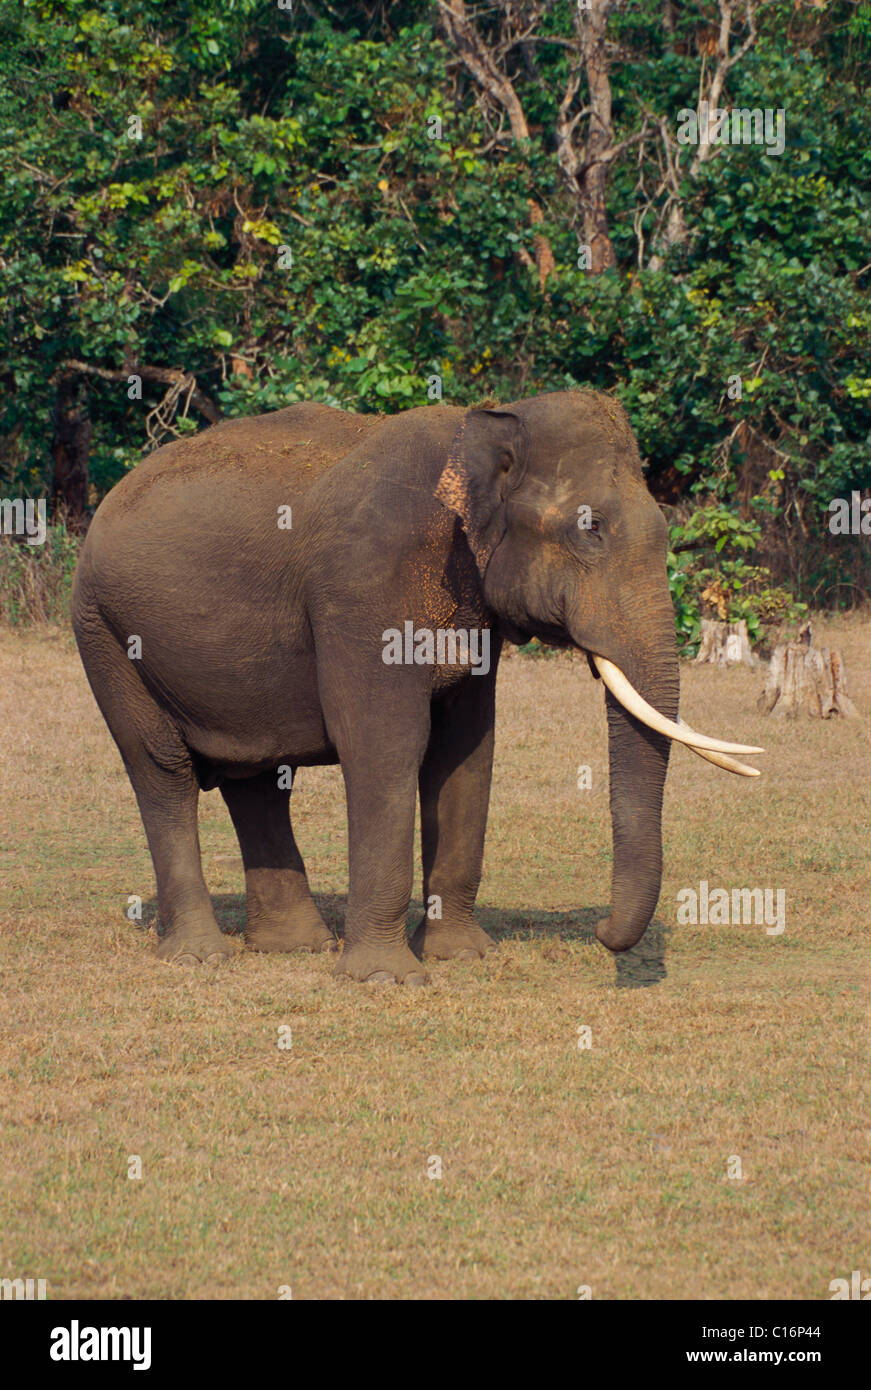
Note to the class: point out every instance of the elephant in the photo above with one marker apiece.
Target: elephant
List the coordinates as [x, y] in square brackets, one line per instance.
[314, 586]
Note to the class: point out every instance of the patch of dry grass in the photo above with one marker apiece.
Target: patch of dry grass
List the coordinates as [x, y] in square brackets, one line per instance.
[561, 1167]
[36, 580]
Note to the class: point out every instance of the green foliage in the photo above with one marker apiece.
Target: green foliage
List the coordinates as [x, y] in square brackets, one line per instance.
[36, 580]
[705, 580]
[287, 229]
[538, 649]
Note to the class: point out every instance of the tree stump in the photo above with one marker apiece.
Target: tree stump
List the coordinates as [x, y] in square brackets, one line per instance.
[804, 677]
[724, 643]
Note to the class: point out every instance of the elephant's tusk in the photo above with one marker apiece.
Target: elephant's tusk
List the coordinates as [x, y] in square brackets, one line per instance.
[721, 760]
[624, 691]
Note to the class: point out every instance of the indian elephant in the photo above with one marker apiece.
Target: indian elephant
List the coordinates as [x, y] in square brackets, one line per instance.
[291, 579]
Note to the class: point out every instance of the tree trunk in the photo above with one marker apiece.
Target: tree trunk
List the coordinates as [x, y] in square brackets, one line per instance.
[594, 179]
[596, 234]
[70, 448]
[714, 42]
[724, 643]
[804, 677]
[481, 63]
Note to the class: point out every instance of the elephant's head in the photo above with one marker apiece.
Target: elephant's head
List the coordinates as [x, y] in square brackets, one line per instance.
[571, 548]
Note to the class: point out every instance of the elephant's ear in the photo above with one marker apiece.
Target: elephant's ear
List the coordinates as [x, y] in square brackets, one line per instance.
[487, 461]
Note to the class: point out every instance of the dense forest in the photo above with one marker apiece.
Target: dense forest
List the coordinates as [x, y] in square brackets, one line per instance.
[211, 210]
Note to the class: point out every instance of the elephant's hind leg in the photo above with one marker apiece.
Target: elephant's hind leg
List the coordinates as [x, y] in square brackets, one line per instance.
[280, 912]
[159, 766]
[168, 803]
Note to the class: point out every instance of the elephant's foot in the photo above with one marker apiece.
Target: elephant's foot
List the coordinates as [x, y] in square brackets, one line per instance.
[198, 944]
[457, 940]
[389, 964]
[295, 929]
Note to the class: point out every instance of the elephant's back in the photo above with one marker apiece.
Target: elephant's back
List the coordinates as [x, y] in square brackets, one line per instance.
[293, 447]
[212, 510]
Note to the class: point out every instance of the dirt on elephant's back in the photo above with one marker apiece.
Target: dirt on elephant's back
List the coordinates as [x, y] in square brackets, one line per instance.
[299, 444]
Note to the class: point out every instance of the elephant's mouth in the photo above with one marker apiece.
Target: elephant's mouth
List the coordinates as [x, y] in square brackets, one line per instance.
[714, 750]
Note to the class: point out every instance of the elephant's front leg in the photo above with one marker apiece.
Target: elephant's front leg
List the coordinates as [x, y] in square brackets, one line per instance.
[380, 754]
[454, 797]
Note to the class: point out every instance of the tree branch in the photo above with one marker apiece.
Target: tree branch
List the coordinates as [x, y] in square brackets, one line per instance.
[167, 376]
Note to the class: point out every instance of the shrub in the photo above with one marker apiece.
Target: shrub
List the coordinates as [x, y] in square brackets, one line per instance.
[710, 576]
[36, 580]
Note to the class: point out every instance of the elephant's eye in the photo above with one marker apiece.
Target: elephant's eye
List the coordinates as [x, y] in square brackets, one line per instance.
[579, 533]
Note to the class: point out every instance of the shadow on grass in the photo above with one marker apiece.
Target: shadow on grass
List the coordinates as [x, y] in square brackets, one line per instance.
[643, 965]
[637, 968]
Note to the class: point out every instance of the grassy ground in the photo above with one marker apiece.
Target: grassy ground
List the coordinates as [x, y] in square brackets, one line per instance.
[308, 1166]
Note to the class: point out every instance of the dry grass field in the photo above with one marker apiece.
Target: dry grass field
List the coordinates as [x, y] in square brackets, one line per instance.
[309, 1166]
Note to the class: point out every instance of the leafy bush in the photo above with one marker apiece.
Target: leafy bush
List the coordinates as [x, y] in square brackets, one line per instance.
[728, 589]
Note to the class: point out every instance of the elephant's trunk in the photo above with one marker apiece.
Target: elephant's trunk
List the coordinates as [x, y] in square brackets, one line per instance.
[638, 758]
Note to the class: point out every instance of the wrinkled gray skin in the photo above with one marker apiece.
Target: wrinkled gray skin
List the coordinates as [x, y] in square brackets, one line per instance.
[262, 647]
